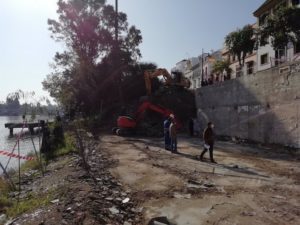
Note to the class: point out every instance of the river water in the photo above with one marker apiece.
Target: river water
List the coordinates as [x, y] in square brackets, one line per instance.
[7, 143]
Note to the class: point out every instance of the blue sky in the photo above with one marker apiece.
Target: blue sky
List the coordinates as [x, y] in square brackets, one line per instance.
[172, 30]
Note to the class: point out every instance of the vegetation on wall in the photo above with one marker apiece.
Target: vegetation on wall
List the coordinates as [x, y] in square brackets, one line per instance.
[241, 42]
[283, 26]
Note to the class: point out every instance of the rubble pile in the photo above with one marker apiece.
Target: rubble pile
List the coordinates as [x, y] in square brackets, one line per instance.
[107, 202]
[78, 196]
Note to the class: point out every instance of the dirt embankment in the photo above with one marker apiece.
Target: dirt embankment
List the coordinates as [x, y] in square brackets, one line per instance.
[75, 193]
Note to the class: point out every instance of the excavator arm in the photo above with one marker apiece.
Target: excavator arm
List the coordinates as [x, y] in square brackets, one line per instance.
[125, 122]
[149, 106]
[149, 75]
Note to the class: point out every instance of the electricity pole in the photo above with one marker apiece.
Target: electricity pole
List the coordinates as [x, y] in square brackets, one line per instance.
[202, 70]
[116, 22]
[117, 55]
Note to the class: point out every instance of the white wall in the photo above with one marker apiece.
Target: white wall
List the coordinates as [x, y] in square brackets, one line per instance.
[197, 76]
[269, 49]
[261, 51]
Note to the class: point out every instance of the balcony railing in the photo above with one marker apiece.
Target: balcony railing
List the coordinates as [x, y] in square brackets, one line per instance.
[284, 59]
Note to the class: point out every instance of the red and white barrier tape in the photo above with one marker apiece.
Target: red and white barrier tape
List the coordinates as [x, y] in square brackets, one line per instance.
[18, 139]
[9, 154]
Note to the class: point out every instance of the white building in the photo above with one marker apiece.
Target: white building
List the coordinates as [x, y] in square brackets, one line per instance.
[197, 75]
[190, 69]
[181, 66]
[191, 72]
[250, 65]
[267, 57]
[199, 69]
[208, 63]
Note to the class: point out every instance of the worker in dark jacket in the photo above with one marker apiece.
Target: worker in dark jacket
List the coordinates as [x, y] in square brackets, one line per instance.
[167, 124]
[173, 136]
[209, 138]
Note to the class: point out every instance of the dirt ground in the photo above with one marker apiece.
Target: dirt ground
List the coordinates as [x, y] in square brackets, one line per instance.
[248, 185]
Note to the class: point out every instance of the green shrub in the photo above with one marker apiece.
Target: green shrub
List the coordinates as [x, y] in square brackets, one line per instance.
[4, 190]
[60, 148]
[29, 204]
[30, 165]
[67, 147]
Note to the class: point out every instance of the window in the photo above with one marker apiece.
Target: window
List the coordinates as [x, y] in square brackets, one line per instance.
[250, 67]
[264, 59]
[265, 41]
[295, 2]
[262, 19]
[297, 47]
[239, 71]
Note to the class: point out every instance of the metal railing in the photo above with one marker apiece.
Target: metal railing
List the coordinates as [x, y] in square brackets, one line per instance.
[284, 59]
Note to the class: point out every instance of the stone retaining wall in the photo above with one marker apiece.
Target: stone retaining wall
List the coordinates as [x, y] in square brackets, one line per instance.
[264, 107]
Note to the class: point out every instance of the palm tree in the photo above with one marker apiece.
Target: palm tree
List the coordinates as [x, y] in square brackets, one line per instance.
[241, 42]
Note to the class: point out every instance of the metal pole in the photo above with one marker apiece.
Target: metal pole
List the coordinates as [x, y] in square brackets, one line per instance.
[7, 177]
[117, 54]
[116, 22]
[37, 157]
[19, 166]
[18, 138]
[202, 67]
[40, 153]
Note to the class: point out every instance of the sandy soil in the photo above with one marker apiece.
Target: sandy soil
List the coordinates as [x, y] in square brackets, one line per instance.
[248, 185]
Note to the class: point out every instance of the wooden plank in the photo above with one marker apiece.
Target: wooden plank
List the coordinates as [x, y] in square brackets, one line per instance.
[20, 125]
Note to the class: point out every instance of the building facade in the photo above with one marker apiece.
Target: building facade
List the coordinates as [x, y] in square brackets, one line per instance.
[250, 66]
[199, 70]
[267, 57]
[192, 72]
[181, 66]
[208, 77]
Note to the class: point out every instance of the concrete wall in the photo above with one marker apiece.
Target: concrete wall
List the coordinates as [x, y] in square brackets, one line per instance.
[264, 107]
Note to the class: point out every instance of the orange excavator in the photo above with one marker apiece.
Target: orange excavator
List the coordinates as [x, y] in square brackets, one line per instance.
[178, 79]
[127, 125]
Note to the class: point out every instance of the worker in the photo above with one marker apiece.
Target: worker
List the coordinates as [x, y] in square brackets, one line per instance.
[208, 137]
[173, 135]
[167, 123]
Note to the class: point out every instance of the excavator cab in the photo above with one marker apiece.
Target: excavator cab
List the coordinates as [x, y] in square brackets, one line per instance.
[180, 80]
[177, 79]
[177, 76]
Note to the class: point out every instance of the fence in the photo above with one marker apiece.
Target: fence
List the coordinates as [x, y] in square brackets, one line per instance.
[21, 146]
[284, 59]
